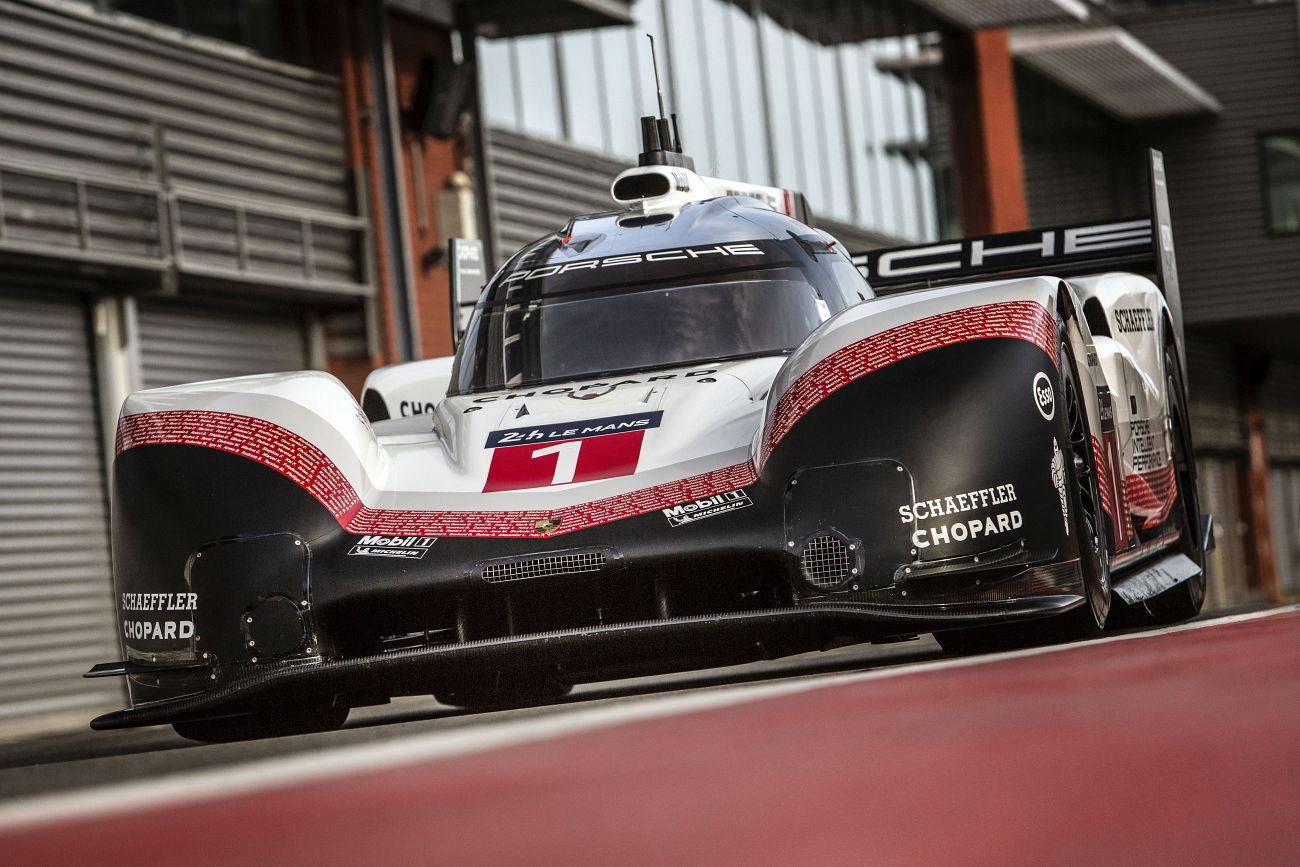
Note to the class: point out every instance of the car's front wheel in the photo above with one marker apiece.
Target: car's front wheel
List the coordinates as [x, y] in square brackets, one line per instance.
[1089, 528]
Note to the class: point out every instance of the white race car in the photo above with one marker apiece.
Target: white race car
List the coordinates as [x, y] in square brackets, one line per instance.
[683, 434]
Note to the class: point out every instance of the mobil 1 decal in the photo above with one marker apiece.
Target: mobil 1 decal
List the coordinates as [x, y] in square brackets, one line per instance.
[397, 547]
[541, 455]
[698, 510]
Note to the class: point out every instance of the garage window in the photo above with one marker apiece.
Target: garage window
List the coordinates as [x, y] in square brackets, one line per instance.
[1280, 153]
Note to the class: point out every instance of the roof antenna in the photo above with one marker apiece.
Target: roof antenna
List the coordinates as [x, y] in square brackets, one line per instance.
[654, 61]
[661, 144]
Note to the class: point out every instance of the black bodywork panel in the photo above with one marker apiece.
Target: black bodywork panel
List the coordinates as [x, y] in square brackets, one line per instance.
[288, 601]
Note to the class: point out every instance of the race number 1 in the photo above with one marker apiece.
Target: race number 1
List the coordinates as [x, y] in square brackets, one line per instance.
[519, 467]
[566, 465]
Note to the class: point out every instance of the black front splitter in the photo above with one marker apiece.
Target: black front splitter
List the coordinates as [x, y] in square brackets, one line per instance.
[585, 653]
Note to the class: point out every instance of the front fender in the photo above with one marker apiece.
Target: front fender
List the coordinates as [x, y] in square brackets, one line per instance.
[961, 400]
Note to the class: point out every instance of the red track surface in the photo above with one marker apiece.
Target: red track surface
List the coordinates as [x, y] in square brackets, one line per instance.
[1176, 749]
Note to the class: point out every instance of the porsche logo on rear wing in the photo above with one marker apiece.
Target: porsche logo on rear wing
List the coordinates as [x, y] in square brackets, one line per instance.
[1058, 250]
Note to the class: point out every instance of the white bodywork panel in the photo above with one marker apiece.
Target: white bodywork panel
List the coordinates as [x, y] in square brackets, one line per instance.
[693, 419]
[1133, 361]
[413, 388]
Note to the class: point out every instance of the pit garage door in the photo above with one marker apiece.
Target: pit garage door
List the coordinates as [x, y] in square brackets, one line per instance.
[184, 343]
[56, 616]
[1284, 490]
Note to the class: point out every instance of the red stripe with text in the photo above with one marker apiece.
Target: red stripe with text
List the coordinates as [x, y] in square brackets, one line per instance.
[1021, 320]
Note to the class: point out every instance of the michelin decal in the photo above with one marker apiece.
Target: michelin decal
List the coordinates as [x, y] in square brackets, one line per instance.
[399, 547]
[721, 504]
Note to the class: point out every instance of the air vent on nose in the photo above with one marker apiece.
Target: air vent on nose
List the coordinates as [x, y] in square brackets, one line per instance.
[827, 560]
[567, 563]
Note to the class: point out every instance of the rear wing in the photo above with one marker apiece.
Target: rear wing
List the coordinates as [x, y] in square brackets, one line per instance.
[1143, 244]
[1058, 250]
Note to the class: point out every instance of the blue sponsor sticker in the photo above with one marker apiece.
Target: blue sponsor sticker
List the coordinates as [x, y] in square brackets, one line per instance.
[574, 430]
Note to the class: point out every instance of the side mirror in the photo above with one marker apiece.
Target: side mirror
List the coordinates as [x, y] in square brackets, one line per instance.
[468, 276]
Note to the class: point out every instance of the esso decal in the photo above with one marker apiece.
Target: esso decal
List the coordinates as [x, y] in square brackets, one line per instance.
[540, 465]
[1044, 397]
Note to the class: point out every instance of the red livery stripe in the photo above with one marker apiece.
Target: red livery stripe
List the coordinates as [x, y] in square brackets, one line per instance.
[1152, 494]
[256, 439]
[298, 460]
[398, 522]
[303, 463]
[1021, 320]
[1103, 478]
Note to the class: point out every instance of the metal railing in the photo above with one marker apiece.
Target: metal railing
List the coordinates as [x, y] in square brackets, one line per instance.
[245, 265]
[20, 217]
[155, 226]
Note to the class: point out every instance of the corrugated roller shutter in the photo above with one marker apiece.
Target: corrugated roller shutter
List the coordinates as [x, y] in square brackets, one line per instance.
[1284, 491]
[56, 615]
[1212, 401]
[1221, 497]
[189, 344]
[1280, 397]
[102, 121]
[85, 94]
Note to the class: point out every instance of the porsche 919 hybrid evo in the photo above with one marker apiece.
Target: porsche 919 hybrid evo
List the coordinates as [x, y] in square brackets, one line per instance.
[688, 433]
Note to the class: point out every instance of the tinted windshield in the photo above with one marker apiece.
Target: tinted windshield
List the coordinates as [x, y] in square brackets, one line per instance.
[551, 325]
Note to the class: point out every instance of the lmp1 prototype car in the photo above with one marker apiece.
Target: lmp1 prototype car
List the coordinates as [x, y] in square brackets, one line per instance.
[685, 434]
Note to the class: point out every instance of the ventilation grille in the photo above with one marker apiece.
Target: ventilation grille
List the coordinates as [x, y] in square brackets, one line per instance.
[826, 560]
[543, 567]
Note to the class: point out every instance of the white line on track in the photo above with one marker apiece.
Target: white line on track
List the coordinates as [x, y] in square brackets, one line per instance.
[295, 769]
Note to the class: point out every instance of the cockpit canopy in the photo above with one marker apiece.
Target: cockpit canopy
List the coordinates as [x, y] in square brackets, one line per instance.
[612, 294]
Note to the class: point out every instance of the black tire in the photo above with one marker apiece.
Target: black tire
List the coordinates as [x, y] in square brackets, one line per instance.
[1184, 600]
[1089, 528]
[499, 693]
[297, 719]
